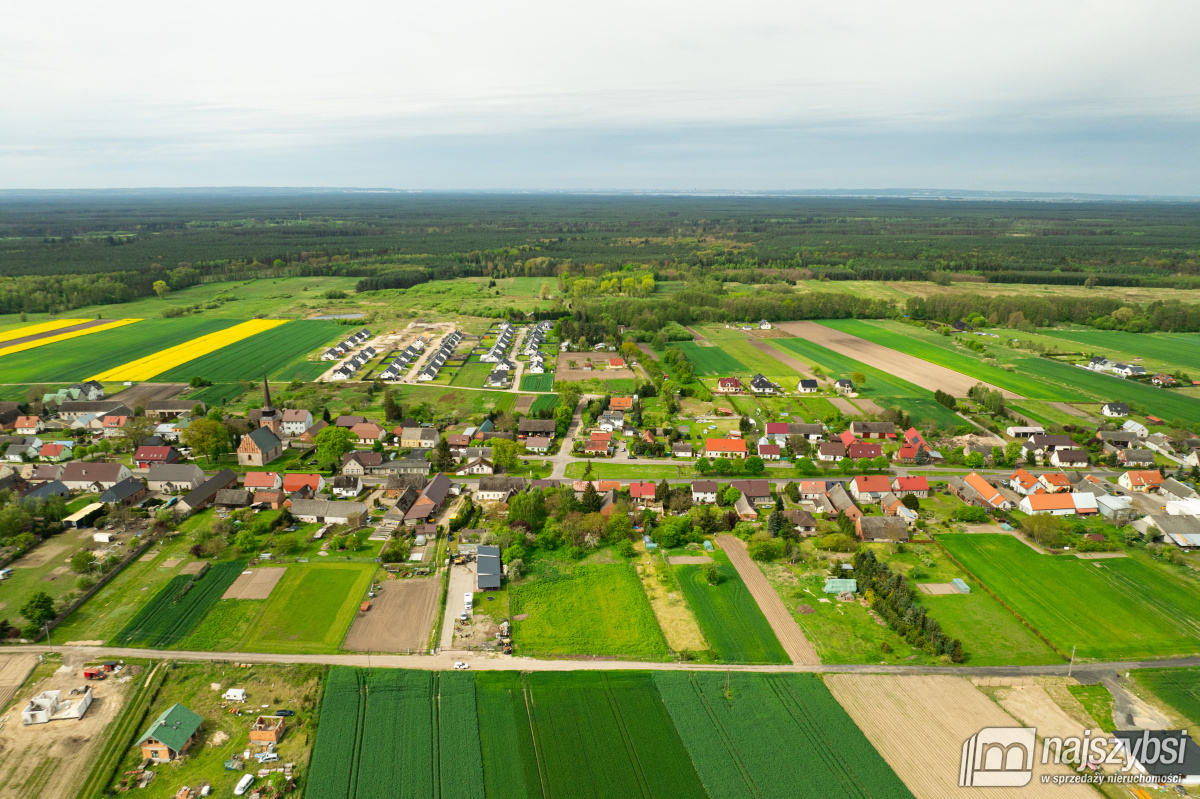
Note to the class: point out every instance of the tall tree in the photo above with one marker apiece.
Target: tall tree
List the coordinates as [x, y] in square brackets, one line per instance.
[591, 499]
[333, 443]
[443, 458]
[207, 437]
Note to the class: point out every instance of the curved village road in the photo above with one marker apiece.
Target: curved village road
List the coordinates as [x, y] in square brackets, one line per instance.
[1085, 672]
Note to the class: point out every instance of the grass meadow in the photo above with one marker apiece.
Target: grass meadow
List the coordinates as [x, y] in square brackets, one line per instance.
[542, 382]
[1178, 349]
[472, 374]
[310, 609]
[1109, 609]
[597, 610]
[730, 619]
[711, 360]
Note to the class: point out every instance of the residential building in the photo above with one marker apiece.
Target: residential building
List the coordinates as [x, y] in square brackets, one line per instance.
[537, 444]
[203, 495]
[704, 492]
[768, 452]
[361, 463]
[843, 387]
[430, 500]
[916, 485]
[498, 488]
[1052, 483]
[1137, 458]
[28, 425]
[1115, 409]
[56, 451]
[170, 735]
[1069, 458]
[171, 478]
[681, 449]
[1068, 504]
[1136, 427]
[863, 449]
[292, 483]
[255, 481]
[145, 456]
[72, 410]
[807, 386]
[476, 466]
[1175, 490]
[872, 429]
[129, 491]
[761, 385]
[756, 491]
[325, 511]
[1139, 481]
[802, 520]
[346, 486]
[621, 403]
[296, 421]
[831, 451]
[542, 427]
[80, 476]
[724, 448]
[642, 492]
[812, 489]
[745, 510]
[1042, 445]
[729, 385]
[368, 433]
[840, 501]
[869, 488]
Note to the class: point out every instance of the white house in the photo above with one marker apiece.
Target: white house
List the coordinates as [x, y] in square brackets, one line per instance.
[704, 492]
[295, 422]
[1137, 428]
[1115, 409]
[806, 386]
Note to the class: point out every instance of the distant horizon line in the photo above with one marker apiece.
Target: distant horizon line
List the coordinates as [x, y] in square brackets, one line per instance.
[865, 193]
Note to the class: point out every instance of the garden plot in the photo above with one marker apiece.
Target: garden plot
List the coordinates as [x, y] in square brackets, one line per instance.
[255, 584]
[916, 371]
[919, 725]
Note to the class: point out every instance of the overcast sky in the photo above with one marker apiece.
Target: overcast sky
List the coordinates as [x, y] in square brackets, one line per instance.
[1023, 95]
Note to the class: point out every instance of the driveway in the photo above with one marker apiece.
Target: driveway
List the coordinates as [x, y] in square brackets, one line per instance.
[462, 581]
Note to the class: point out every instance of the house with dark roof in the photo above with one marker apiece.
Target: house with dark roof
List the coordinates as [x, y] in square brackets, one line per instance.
[498, 488]
[761, 385]
[488, 568]
[170, 735]
[53, 488]
[756, 491]
[146, 456]
[807, 386]
[881, 528]
[1115, 409]
[204, 496]
[326, 511]
[169, 478]
[232, 498]
[429, 501]
[529, 426]
[361, 463]
[129, 491]
[80, 476]
[259, 447]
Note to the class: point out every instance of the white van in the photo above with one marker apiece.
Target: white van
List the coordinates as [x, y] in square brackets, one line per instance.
[243, 785]
[468, 600]
[267, 757]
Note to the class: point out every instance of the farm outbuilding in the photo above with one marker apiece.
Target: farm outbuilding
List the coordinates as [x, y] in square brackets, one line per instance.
[267, 730]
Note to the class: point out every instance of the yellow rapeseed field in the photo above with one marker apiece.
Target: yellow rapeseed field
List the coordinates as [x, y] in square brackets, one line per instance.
[159, 362]
[41, 327]
[41, 342]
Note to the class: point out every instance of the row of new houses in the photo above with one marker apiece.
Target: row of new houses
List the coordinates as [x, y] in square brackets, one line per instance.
[439, 356]
[333, 353]
[401, 361]
[353, 364]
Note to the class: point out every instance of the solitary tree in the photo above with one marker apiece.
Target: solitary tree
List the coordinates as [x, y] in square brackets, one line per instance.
[161, 288]
[207, 437]
[39, 609]
[858, 378]
[334, 442]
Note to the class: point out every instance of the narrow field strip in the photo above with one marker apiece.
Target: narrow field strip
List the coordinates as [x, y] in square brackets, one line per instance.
[38, 329]
[153, 365]
[28, 345]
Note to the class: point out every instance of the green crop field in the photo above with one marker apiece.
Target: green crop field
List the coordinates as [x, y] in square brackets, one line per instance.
[544, 402]
[735, 740]
[1161, 402]
[927, 408]
[329, 593]
[731, 620]
[1179, 688]
[1182, 349]
[1044, 413]
[935, 348]
[178, 607]
[542, 382]
[607, 735]
[596, 610]
[879, 383]
[272, 351]
[1117, 608]
[80, 358]
[711, 360]
[224, 627]
[510, 760]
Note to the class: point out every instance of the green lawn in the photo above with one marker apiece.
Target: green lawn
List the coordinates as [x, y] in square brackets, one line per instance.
[310, 609]
[1109, 609]
[1098, 702]
[731, 620]
[1178, 349]
[599, 610]
[80, 358]
[629, 471]
[44, 568]
[1178, 688]
[472, 374]
[1045, 413]
[1163, 403]
[276, 352]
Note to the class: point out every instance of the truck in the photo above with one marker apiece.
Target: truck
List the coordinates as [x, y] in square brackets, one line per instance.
[468, 600]
[94, 673]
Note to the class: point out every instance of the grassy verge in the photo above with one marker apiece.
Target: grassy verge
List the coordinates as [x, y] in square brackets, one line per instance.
[121, 734]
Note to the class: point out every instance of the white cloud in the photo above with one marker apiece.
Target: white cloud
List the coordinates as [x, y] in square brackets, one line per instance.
[88, 88]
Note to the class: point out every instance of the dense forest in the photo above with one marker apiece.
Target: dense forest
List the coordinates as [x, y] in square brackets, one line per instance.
[63, 250]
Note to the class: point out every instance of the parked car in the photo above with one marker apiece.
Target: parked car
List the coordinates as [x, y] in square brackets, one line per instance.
[243, 785]
[460, 666]
[285, 712]
[267, 757]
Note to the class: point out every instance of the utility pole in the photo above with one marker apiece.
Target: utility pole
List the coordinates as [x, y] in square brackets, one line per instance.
[1072, 666]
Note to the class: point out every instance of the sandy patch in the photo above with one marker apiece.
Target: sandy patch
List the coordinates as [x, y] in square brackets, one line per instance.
[845, 406]
[89, 642]
[54, 575]
[149, 392]
[41, 555]
[869, 406]
[907, 367]
[937, 589]
[255, 584]
[688, 560]
[918, 724]
[149, 556]
[192, 568]
[648, 350]
[672, 611]
[1071, 409]
[1033, 707]
[524, 403]
[170, 563]
[400, 619]
[49, 761]
[13, 671]
[1100, 555]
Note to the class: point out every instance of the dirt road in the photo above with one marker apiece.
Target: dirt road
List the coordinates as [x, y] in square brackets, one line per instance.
[907, 367]
[785, 627]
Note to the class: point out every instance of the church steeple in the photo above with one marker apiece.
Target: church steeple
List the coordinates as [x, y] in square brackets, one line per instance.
[267, 408]
[269, 416]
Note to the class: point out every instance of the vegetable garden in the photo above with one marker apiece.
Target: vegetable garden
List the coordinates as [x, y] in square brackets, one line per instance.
[542, 382]
[178, 607]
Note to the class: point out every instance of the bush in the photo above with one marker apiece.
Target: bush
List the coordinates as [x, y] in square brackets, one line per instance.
[971, 514]
[625, 549]
[838, 542]
[764, 548]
